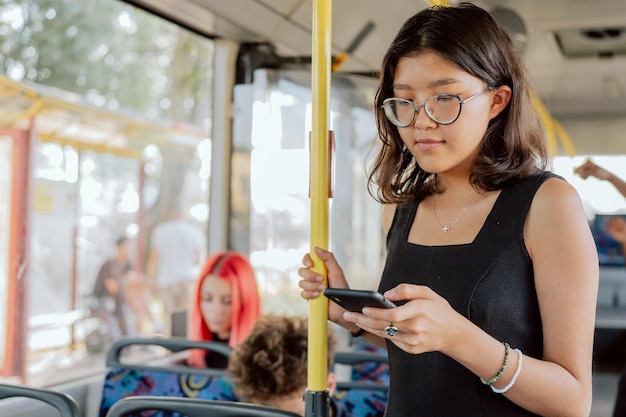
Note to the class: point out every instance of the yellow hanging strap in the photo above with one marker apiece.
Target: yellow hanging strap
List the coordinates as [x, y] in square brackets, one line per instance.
[552, 129]
[546, 122]
[438, 3]
[565, 140]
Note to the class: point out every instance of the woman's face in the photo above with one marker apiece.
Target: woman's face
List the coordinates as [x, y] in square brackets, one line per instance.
[215, 304]
[442, 148]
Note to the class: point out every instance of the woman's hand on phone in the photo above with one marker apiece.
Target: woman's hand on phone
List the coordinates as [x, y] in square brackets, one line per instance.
[425, 323]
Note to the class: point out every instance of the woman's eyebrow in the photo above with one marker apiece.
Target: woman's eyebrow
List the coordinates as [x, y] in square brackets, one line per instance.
[443, 81]
[432, 84]
[402, 87]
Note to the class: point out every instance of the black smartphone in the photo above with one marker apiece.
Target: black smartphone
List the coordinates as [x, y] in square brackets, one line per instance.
[355, 300]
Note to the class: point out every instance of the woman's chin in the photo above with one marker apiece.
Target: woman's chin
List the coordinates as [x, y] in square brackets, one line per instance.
[219, 331]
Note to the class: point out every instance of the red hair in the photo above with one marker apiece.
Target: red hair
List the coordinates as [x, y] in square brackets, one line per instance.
[245, 301]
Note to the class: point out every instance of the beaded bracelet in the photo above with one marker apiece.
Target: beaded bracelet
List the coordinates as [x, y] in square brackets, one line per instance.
[358, 333]
[517, 372]
[507, 351]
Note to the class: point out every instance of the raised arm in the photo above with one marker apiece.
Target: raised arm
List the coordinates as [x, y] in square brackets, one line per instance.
[591, 169]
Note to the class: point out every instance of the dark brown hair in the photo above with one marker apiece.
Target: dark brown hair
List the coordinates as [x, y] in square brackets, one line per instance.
[469, 38]
[272, 361]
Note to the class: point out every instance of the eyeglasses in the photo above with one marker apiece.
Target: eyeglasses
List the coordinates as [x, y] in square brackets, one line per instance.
[442, 109]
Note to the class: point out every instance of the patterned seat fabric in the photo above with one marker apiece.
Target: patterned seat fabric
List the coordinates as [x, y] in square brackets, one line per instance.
[124, 382]
[172, 378]
[371, 371]
[365, 395]
[361, 402]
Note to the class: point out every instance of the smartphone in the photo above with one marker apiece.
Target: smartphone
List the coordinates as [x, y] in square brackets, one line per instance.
[355, 300]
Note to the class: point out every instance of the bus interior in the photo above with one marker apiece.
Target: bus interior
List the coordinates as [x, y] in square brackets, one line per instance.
[112, 111]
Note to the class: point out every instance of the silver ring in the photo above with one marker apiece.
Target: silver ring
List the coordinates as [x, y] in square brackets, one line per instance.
[391, 330]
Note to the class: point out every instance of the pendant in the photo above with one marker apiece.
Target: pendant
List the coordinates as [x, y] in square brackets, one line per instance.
[445, 228]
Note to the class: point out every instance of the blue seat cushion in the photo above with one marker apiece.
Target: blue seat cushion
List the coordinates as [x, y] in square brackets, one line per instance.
[124, 382]
[362, 402]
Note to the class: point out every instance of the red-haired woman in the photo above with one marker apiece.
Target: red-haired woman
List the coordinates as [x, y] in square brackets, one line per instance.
[224, 306]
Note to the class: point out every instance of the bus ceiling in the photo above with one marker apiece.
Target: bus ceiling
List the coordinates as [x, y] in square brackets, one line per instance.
[574, 49]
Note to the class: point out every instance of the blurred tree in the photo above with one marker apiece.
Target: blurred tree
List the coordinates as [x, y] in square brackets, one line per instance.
[120, 58]
[114, 55]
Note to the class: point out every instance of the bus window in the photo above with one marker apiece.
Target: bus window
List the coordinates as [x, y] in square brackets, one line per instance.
[271, 129]
[115, 140]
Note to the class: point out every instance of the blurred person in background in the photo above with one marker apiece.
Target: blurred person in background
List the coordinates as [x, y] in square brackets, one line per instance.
[139, 298]
[177, 249]
[616, 228]
[224, 306]
[270, 366]
[590, 169]
[110, 288]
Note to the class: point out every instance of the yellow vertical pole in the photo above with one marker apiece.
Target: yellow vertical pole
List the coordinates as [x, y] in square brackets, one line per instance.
[320, 82]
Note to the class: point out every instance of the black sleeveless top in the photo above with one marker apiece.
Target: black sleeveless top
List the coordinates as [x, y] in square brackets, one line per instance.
[216, 360]
[491, 282]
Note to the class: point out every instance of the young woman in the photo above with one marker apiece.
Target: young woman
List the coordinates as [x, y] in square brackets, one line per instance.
[224, 306]
[489, 256]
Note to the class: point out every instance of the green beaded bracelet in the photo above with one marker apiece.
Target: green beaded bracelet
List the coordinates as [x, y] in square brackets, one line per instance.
[507, 350]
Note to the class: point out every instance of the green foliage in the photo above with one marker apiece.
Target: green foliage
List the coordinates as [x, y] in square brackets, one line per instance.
[112, 54]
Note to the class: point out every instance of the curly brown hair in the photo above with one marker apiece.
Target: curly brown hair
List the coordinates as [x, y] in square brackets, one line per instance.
[469, 38]
[272, 361]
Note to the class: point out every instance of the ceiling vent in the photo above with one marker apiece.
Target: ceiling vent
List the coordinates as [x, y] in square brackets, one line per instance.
[593, 42]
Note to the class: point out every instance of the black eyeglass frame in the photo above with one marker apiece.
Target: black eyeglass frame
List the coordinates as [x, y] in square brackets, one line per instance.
[385, 106]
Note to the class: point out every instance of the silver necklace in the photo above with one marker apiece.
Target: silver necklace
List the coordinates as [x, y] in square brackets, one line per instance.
[449, 226]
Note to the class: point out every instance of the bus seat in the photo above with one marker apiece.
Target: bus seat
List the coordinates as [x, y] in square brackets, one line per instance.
[368, 361]
[164, 377]
[193, 407]
[365, 395]
[64, 403]
[363, 399]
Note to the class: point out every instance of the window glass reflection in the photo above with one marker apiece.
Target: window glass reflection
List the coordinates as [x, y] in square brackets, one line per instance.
[271, 128]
